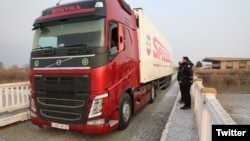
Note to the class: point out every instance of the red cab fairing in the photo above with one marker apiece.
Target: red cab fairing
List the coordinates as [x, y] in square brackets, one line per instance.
[86, 95]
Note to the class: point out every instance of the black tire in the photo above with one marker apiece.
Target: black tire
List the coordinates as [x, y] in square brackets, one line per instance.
[125, 111]
[40, 127]
[152, 94]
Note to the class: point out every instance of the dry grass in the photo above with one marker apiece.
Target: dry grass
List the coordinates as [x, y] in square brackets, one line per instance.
[14, 74]
[226, 81]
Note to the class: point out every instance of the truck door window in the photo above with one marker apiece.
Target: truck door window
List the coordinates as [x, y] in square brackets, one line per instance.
[113, 38]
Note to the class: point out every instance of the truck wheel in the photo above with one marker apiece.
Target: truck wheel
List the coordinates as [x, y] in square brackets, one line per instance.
[152, 94]
[125, 111]
[167, 82]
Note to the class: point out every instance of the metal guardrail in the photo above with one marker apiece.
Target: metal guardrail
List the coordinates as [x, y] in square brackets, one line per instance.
[14, 102]
[208, 110]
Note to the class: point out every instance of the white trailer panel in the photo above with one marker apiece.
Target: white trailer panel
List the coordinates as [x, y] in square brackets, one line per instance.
[155, 53]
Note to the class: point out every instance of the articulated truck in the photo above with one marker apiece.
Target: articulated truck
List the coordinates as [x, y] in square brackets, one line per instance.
[95, 63]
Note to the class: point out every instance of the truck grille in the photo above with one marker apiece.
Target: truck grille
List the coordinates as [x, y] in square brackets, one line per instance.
[65, 103]
[62, 99]
[66, 116]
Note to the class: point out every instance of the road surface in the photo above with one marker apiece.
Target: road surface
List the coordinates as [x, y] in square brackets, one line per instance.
[146, 125]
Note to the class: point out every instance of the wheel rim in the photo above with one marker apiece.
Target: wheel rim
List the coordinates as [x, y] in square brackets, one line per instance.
[126, 111]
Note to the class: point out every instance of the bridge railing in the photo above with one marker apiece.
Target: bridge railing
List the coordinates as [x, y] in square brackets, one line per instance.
[208, 110]
[14, 99]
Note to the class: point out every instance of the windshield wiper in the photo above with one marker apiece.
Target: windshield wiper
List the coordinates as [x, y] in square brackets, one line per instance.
[41, 48]
[48, 50]
[79, 45]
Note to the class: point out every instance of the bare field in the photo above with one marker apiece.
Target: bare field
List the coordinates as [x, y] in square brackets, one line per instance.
[14, 74]
[226, 81]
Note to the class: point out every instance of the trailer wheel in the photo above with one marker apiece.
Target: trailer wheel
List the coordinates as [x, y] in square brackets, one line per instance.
[167, 82]
[125, 111]
[152, 94]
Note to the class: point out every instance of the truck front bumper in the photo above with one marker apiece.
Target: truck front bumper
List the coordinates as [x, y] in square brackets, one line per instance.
[87, 129]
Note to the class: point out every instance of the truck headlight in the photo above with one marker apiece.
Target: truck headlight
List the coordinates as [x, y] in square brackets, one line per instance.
[96, 108]
[98, 4]
[96, 122]
[32, 105]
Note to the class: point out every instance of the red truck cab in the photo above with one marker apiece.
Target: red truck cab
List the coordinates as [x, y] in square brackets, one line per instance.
[85, 67]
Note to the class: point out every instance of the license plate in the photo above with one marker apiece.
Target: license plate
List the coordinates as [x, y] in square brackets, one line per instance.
[60, 126]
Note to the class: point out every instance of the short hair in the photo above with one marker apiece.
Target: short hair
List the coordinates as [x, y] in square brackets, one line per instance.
[186, 58]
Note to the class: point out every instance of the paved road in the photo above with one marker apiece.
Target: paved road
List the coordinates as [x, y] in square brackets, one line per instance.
[146, 125]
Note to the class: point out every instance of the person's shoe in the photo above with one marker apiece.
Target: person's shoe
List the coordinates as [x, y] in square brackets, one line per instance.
[185, 108]
[181, 101]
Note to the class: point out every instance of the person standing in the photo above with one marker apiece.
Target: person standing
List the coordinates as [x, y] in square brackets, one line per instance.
[179, 81]
[186, 80]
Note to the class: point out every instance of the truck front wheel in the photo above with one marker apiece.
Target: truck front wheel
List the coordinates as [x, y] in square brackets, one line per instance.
[125, 111]
[153, 94]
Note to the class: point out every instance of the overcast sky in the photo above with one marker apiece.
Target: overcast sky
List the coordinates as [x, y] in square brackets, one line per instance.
[194, 28]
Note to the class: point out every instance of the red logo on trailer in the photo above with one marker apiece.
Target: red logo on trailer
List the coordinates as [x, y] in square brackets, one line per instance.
[160, 52]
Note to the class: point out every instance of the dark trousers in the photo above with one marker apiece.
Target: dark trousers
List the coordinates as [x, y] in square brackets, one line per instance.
[185, 90]
[181, 90]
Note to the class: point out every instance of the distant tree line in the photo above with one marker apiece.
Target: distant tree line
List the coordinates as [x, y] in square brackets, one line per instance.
[225, 80]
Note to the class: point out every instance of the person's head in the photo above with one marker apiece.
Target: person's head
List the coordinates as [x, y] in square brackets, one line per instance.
[185, 59]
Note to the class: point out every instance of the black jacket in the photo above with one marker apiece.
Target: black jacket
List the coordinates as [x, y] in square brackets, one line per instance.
[179, 73]
[185, 73]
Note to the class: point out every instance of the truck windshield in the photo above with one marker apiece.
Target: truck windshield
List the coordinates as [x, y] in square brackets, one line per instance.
[69, 34]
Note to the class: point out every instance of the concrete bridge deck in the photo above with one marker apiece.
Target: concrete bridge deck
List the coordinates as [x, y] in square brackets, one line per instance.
[182, 125]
